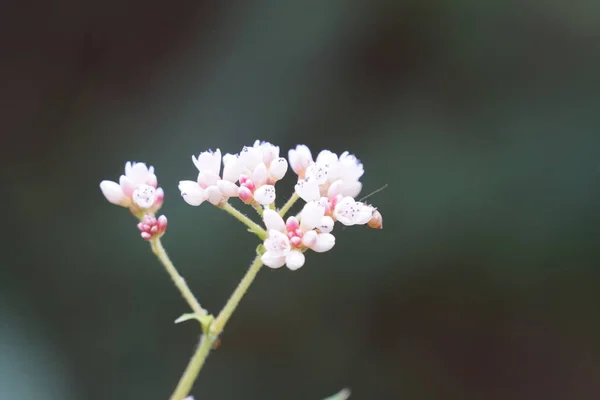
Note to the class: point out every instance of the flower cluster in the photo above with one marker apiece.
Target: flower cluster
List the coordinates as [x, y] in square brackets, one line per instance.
[328, 184]
[137, 190]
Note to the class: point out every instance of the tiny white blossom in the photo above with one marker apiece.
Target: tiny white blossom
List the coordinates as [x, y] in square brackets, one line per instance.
[329, 175]
[287, 241]
[259, 166]
[210, 186]
[137, 189]
[350, 212]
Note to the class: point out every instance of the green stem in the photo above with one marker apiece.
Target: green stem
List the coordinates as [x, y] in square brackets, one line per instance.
[252, 226]
[219, 323]
[258, 209]
[286, 207]
[159, 251]
[193, 369]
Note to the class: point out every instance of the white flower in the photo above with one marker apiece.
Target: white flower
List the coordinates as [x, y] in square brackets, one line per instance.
[209, 185]
[350, 212]
[260, 168]
[329, 175]
[287, 241]
[137, 189]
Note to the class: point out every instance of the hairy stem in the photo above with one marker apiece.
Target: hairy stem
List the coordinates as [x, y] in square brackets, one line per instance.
[252, 226]
[286, 207]
[219, 323]
[193, 368]
[159, 251]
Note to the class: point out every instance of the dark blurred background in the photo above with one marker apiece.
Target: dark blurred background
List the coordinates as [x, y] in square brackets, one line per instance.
[482, 117]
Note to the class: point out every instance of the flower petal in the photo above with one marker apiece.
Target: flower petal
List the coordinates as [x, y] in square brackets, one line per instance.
[143, 196]
[326, 224]
[294, 259]
[324, 242]
[114, 193]
[307, 190]
[208, 161]
[250, 157]
[213, 195]
[208, 178]
[311, 215]
[278, 168]
[192, 193]
[260, 175]
[277, 243]
[227, 188]
[232, 167]
[272, 260]
[139, 174]
[265, 195]
[300, 158]
[127, 185]
[273, 220]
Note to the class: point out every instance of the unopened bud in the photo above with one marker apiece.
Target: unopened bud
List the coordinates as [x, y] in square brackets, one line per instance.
[151, 227]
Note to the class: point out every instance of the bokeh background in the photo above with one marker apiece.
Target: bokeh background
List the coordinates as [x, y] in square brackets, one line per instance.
[481, 116]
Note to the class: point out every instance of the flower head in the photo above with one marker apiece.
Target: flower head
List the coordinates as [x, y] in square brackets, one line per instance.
[210, 186]
[261, 167]
[329, 175]
[137, 189]
[287, 241]
[151, 227]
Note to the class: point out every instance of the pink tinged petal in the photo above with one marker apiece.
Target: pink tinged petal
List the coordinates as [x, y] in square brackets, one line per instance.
[272, 260]
[127, 167]
[143, 196]
[208, 178]
[326, 224]
[295, 240]
[260, 175]
[309, 238]
[232, 167]
[335, 188]
[146, 235]
[192, 193]
[351, 188]
[139, 174]
[114, 193]
[324, 242]
[245, 194]
[213, 195]
[127, 185]
[151, 180]
[273, 220]
[208, 161]
[250, 157]
[311, 215]
[265, 195]
[269, 152]
[307, 190]
[300, 158]
[159, 198]
[278, 168]
[277, 243]
[327, 157]
[294, 260]
[227, 188]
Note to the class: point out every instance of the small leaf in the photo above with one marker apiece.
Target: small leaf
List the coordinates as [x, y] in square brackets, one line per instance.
[186, 317]
[342, 395]
[205, 320]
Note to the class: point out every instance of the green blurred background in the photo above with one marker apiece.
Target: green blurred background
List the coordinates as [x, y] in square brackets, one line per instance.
[481, 116]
